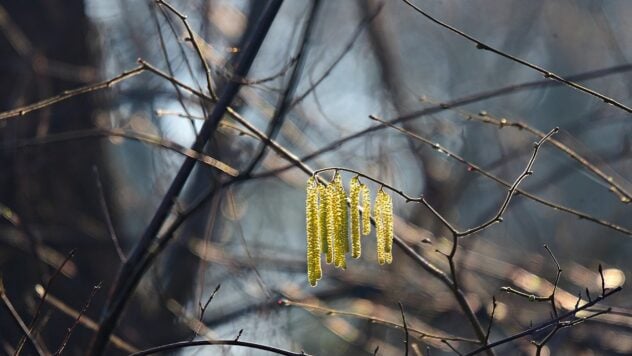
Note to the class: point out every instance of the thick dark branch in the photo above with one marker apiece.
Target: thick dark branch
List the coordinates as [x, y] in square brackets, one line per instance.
[134, 268]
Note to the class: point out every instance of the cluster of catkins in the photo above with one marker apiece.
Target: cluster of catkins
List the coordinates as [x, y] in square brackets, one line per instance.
[330, 222]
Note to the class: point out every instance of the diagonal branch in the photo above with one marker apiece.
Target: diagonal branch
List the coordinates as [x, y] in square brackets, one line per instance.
[136, 264]
[547, 74]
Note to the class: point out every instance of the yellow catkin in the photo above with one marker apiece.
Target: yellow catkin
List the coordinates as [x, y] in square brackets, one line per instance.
[341, 230]
[389, 229]
[366, 209]
[354, 197]
[330, 197]
[380, 230]
[323, 207]
[313, 238]
[345, 220]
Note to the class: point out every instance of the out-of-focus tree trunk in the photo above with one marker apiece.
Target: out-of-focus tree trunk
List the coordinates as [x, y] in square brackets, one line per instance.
[47, 47]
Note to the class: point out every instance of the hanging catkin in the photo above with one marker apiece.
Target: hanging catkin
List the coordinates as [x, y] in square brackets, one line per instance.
[388, 226]
[330, 197]
[341, 230]
[366, 209]
[388, 222]
[354, 197]
[330, 224]
[380, 228]
[323, 207]
[313, 239]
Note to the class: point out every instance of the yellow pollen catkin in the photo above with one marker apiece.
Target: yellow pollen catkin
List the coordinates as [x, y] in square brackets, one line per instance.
[366, 209]
[341, 229]
[323, 208]
[354, 197]
[388, 226]
[380, 228]
[328, 221]
[312, 229]
[330, 197]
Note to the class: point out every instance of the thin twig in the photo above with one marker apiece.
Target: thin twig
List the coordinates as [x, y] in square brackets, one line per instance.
[444, 106]
[557, 279]
[84, 320]
[546, 324]
[296, 162]
[354, 37]
[153, 10]
[185, 344]
[512, 190]
[67, 94]
[547, 74]
[208, 301]
[451, 347]
[491, 320]
[76, 322]
[106, 214]
[472, 167]
[469, 99]
[6, 302]
[285, 101]
[196, 46]
[401, 309]
[418, 334]
[141, 258]
[486, 118]
[603, 280]
[497, 218]
[189, 153]
[38, 310]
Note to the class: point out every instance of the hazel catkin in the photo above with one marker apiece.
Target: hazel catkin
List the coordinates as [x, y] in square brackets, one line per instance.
[366, 209]
[313, 239]
[341, 228]
[354, 197]
[330, 223]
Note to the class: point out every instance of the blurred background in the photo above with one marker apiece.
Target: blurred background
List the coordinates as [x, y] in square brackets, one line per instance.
[66, 184]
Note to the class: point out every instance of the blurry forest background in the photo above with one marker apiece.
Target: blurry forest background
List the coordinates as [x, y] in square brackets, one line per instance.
[75, 177]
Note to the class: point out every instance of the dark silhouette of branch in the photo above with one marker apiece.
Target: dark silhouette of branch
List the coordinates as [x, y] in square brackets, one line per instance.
[547, 74]
[288, 155]
[163, 48]
[491, 320]
[546, 324]
[38, 310]
[512, 190]
[67, 94]
[495, 219]
[189, 153]
[419, 334]
[354, 37]
[137, 263]
[8, 306]
[485, 117]
[451, 347]
[472, 167]
[401, 309]
[84, 320]
[185, 344]
[470, 99]
[196, 46]
[106, 214]
[285, 101]
[76, 322]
